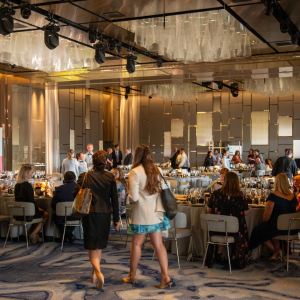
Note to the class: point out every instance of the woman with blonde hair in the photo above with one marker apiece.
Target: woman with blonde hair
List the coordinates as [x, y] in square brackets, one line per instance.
[148, 214]
[24, 193]
[70, 164]
[281, 201]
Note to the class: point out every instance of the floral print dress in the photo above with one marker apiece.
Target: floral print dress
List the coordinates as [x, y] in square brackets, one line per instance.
[122, 198]
[231, 206]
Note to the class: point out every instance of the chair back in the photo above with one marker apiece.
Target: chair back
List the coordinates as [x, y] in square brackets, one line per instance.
[129, 210]
[62, 210]
[26, 209]
[173, 183]
[180, 221]
[288, 221]
[217, 223]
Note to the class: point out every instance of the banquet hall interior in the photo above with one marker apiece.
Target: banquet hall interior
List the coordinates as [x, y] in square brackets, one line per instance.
[205, 84]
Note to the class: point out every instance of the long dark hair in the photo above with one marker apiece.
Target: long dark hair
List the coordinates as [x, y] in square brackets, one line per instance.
[99, 160]
[231, 185]
[143, 156]
[121, 177]
[208, 153]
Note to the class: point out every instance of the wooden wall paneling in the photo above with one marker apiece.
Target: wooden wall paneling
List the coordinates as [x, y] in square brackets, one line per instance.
[273, 100]
[144, 132]
[144, 101]
[193, 159]
[272, 156]
[224, 100]
[144, 113]
[186, 125]
[94, 100]
[193, 116]
[63, 98]
[224, 134]
[262, 149]
[177, 142]
[78, 141]
[296, 110]
[100, 97]
[236, 110]
[156, 129]
[72, 119]
[78, 108]
[64, 148]
[87, 112]
[78, 94]
[216, 103]
[78, 126]
[72, 101]
[238, 99]
[217, 136]
[193, 138]
[216, 121]
[246, 138]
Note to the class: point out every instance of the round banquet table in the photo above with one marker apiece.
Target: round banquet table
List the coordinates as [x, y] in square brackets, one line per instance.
[254, 218]
[191, 180]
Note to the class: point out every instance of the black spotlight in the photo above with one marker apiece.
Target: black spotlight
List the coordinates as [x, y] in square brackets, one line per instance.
[25, 11]
[12, 66]
[51, 37]
[234, 89]
[6, 20]
[119, 47]
[127, 89]
[130, 66]
[126, 96]
[150, 97]
[284, 25]
[159, 62]
[220, 84]
[100, 52]
[269, 8]
[206, 84]
[111, 44]
[92, 36]
[295, 38]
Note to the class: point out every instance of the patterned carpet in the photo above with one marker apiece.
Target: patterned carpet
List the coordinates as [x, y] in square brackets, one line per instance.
[47, 272]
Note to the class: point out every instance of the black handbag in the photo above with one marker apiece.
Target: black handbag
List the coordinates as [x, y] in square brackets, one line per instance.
[169, 202]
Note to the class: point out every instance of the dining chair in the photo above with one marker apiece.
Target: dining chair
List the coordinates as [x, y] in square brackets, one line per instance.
[22, 209]
[288, 222]
[177, 231]
[219, 223]
[63, 209]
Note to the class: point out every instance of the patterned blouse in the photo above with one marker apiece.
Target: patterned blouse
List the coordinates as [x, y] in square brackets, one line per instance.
[122, 194]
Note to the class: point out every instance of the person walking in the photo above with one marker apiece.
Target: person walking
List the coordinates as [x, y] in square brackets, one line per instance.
[148, 214]
[70, 164]
[96, 225]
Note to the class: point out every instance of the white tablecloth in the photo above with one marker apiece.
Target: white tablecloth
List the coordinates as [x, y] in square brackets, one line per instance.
[191, 180]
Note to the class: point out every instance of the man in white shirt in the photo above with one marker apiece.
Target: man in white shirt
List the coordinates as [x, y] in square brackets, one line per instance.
[184, 162]
[82, 165]
[225, 160]
[88, 156]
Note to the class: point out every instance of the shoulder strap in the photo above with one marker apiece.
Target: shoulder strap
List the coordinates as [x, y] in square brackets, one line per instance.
[86, 179]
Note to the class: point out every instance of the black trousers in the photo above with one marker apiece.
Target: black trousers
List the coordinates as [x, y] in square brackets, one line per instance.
[59, 222]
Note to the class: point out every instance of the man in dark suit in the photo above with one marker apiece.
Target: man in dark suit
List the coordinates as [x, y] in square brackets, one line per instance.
[128, 158]
[64, 194]
[173, 159]
[117, 156]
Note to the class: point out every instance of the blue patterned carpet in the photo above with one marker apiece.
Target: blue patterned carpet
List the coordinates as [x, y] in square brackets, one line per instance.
[47, 272]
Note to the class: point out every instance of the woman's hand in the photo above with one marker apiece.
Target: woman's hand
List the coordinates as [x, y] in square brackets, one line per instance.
[116, 226]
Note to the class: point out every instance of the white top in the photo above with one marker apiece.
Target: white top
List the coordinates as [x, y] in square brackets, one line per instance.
[89, 160]
[226, 162]
[267, 168]
[82, 166]
[70, 165]
[184, 163]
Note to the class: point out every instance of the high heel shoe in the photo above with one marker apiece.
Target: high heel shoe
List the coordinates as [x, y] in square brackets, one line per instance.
[100, 281]
[276, 255]
[130, 279]
[32, 239]
[94, 277]
[164, 285]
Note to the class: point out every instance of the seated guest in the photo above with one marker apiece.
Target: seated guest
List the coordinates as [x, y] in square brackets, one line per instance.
[281, 201]
[257, 155]
[218, 162]
[121, 188]
[128, 158]
[63, 193]
[70, 164]
[217, 184]
[173, 159]
[286, 165]
[82, 165]
[24, 193]
[230, 201]
[216, 155]
[236, 159]
[296, 190]
[268, 166]
[209, 161]
[251, 159]
[225, 160]
[259, 164]
[109, 160]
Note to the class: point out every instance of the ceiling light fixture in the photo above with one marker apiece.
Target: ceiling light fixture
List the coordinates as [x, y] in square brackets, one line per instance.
[219, 84]
[119, 47]
[111, 44]
[92, 36]
[295, 38]
[25, 11]
[234, 89]
[51, 37]
[6, 20]
[269, 7]
[126, 96]
[130, 66]
[127, 89]
[100, 52]
[159, 62]
[284, 25]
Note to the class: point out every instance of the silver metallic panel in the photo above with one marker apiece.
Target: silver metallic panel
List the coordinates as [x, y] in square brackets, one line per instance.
[285, 108]
[236, 126]
[235, 110]
[273, 114]
[247, 115]
[78, 126]
[260, 103]
[177, 111]
[63, 98]
[273, 138]
[156, 106]
[64, 126]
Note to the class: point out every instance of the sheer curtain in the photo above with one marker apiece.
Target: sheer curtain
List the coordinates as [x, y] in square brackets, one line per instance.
[52, 128]
[129, 122]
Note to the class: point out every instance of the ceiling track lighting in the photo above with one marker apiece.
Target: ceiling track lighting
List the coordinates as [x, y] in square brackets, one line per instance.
[159, 63]
[130, 66]
[92, 36]
[234, 89]
[219, 84]
[285, 25]
[206, 84]
[6, 20]
[127, 89]
[119, 47]
[295, 38]
[100, 52]
[269, 7]
[126, 96]
[25, 10]
[51, 37]
[111, 44]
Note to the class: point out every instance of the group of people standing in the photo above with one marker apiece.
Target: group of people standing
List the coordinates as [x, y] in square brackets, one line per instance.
[179, 160]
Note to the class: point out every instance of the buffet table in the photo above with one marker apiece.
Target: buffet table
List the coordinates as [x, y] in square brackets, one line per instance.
[254, 218]
[191, 180]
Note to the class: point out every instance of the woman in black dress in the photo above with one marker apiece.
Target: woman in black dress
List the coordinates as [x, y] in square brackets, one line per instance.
[209, 160]
[96, 225]
[230, 201]
[24, 193]
[281, 201]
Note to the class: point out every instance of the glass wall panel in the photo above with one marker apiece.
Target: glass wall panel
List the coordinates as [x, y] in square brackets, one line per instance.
[260, 128]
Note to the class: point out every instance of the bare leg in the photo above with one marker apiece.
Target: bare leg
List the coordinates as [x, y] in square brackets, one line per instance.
[95, 258]
[161, 253]
[276, 244]
[220, 249]
[39, 226]
[135, 253]
[270, 245]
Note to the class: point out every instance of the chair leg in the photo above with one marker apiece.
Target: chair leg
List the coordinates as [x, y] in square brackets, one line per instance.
[205, 255]
[8, 232]
[228, 258]
[43, 234]
[120, 232]
[287, 256]
[26, 236]
[177, 253]
[63, 237]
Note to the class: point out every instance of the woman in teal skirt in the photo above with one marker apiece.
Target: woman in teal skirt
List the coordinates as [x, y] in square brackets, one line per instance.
[148, 215]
